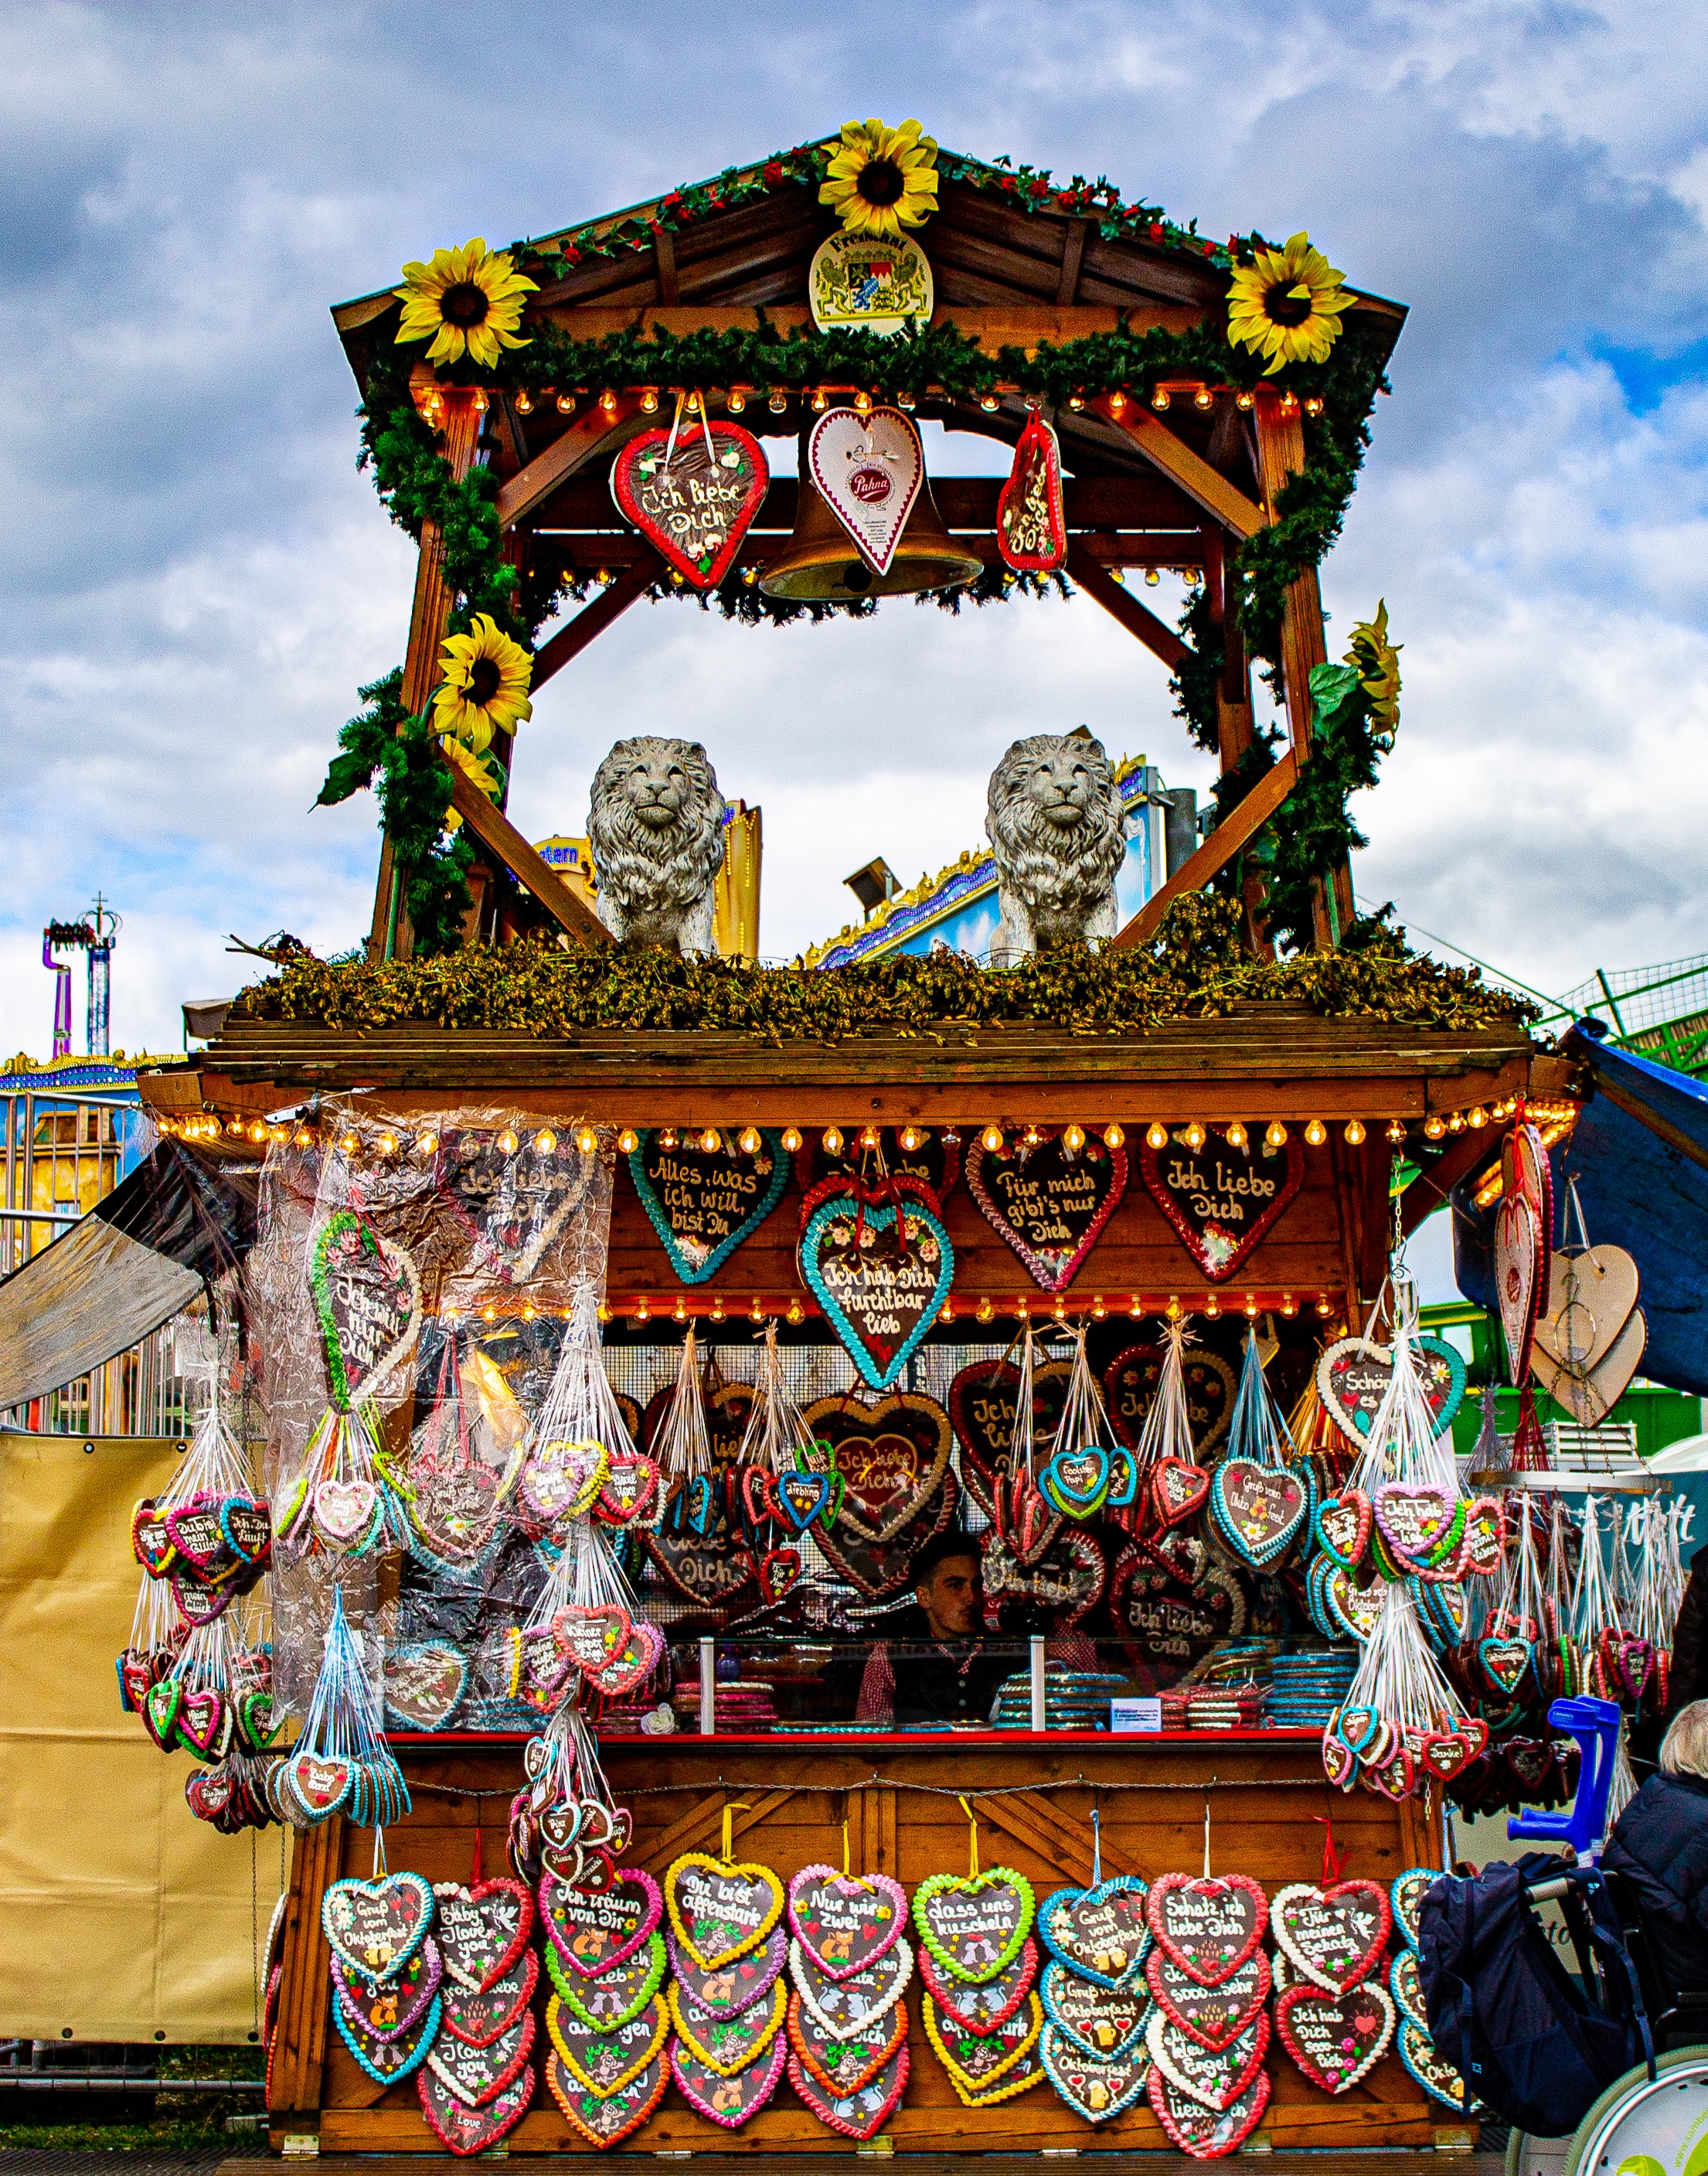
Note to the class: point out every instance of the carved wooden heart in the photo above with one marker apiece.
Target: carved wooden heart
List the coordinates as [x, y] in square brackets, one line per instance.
[1046, 1205]
[366, 1294]
[694, 500]
[512, 1203]
[891, 1452]
[868, 471]
[1222, 1200]
[1592, 1294]
[1589, 1397]
[982, 1411]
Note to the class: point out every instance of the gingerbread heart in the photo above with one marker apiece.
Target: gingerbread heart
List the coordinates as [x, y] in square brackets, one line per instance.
[483, 1931]
[728, 2099]
[368, 1297]
[1094, 2086]
[1353, 1375]
[1217, 2076]
[1335, 1935]
[1099, 1933]
[982, 2008]
[1205, 2133]
[390, 2056]
[387, 2008]
[1215, 2015]
[596, 1931]
[1102, 2021]
[461, 2129]
[975, 2061]
[1207, 1927]
[692, 491]
[722, 1991]
[727, 2044]
[604, 2058]
[593, 1636]
[1343, 1526]
[1336, 2038]
[1045, 1203]
[974, 1925]
[881, 1276]
[1177, 1490]
[862, 2113]
[843, 2004]
[1437, 2077]
[613, 1997]
[846, 1922]
[720, 1911]
[842, 2063]
[376, 1926]
[868, 469]
[1418, 1521]
[1518, 1266]
[476, 2076]
[1406, 1985]
[605, 2118]
[1406, 1894]
[1259, 1509]
[482, 2015]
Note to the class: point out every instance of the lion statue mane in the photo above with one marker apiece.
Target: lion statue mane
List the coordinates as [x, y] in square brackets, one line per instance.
[1058, 825]
[656, 829]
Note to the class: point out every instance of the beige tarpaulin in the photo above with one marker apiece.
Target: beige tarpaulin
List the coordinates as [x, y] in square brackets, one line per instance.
[126, 1918]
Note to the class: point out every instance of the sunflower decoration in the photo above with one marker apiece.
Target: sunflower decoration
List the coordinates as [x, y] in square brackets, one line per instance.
[485, 688]
[1377, 662]
[1287, 305]
[882, 179]
[467, 302]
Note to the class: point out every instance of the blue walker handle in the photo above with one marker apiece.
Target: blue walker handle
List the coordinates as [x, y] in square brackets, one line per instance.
[1595, 1724]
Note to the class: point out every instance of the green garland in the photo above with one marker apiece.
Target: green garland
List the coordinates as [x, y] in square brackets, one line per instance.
[1192, 969]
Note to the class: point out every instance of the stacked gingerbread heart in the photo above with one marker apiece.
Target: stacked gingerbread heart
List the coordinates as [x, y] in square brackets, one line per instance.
[601, 1652]
[1434, 2072]
[1095, 1999]
[728, 2052]
[1208, 2032]
[608, 2063]
[849, 1967]
[1334, 2017]
[983, 2017]
[478, 2081]
[563, 1822]
[386, 1972]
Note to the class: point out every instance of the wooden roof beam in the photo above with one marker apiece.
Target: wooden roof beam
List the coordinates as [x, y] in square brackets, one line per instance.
[1222, 501]
[1224, 842]
[499, 835]
[571, 449]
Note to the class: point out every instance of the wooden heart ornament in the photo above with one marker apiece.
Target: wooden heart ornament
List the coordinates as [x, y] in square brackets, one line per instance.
[1353, 1374]
[1207, 1927]
[974, 1925]
[1592, 1294]
[868, 471]
[1518, 1258]
[1220, 1199]
[720, 1911]
[1334, 2039]
[1334, 1936]
[846, 1922]
[368, 1297]
[702, 1203]
[1031, 516]
[881, 1275]
[693, 492]
[1047, 1206]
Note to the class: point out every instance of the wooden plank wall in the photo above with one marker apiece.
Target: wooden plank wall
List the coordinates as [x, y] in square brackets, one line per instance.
[1264, 1804]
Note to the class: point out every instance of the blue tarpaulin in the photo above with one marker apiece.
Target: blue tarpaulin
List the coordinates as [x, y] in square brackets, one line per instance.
[1640, 1155]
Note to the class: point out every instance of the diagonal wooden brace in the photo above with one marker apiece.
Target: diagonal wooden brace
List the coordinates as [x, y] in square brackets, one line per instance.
[595, 615]
[1206, 486]
[1138, 619]
[570, 450]
[1224, 842]
[499, 835]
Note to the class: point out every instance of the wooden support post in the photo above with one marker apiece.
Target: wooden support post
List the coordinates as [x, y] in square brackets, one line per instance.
[304, 1991]
[1235, 731]
[390, 935]
[1222, 845]
[1280, 454]
[496, 832]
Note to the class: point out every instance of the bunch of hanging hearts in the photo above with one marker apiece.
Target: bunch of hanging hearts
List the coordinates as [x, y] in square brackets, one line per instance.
[847, 2022]
[208, 1549]
[983, 2015]
[1401, 1723]
[563, 1823]
[1413, 1530]
[727, 1999]
[1096, 2004]
[340, 1763]
[602, 1649]
[608, 2022]
[208, 1713]
[1209, 2032]
[231, 1794]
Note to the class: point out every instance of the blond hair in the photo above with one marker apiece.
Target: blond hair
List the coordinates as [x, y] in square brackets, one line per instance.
[1684, 1749]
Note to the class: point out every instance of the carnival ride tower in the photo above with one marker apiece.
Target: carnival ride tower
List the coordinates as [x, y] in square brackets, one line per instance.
[94, 935]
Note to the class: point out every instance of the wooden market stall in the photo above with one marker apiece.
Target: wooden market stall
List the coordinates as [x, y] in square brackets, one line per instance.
[1265, 1125]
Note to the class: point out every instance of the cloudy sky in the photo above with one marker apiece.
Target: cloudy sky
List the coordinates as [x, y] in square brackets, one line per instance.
[196, 579]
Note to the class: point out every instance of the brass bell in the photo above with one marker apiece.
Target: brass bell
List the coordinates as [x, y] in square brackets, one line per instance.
[820, 563]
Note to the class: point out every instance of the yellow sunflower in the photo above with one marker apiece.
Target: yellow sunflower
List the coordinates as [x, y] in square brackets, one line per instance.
[467, 301]
[478, 769]
[1287, 305]
[1378, 663]
[882, 179]
[486, 685]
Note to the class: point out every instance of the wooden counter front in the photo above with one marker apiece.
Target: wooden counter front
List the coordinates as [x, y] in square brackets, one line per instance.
[1033, 1795]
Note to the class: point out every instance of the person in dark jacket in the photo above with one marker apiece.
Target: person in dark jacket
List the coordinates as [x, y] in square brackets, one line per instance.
[1660, 1844]
[946, 1676]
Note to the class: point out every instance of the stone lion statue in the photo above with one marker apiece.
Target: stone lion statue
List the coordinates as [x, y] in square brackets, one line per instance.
[656, 829]
[1057, 822]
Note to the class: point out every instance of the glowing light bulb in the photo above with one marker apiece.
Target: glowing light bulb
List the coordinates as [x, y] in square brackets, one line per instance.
[1395, 1131]
[1289, 1305]
[1354, 1135]
[946, 1312]
[833, 1140]
[1156, 1136]
[751, 1141]
[1476, 1115]
[641, 1311]
[1204, 398]
[1236, 1136]
[587, 1140]
[607, 401]
[717, 1308]
[649, 402]
[737, 400]
[990, 403]
[779, 400]
[1316, 1133]
[797, 1313]
[566, 403]
[507, 1143]
[910, 1138]
[679, 1312]
[869, 1137]
[1274, 1135]
[525, 406]
[627, 1141]
[668, 1137]
[821, 401]
[710, 1142]
[984, 1311]
[350, 1143]
[1073, 1138]
[756, 1313]
[1076, 401]
[1194, 1136]
[545, 1140]
[862, 403]
[991, 1138]
[1433, 1127]
[1159, 398]
[792, 1139]
[1114, 1135]
[1212, 1307]
[1245, 399]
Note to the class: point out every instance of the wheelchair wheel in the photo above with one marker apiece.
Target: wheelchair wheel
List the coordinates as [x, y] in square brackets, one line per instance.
[1639, 2127]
